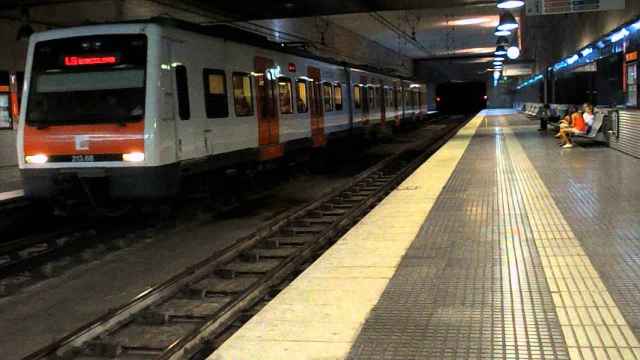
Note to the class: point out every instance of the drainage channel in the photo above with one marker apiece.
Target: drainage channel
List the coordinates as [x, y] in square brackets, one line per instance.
[190, 314]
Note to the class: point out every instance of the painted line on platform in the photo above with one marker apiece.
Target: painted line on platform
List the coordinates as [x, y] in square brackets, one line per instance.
[11, 195]
[591, 322]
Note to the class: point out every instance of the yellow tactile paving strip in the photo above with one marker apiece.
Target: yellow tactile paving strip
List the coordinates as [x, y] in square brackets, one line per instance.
[592, 324]
[320, 314]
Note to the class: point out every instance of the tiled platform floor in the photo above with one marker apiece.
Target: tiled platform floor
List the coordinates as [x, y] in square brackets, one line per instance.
[528, 251]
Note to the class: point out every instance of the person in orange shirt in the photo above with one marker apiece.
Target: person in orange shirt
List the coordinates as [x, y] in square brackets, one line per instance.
[578, 126]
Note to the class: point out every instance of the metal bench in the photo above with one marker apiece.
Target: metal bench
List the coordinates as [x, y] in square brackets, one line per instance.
[595, 132]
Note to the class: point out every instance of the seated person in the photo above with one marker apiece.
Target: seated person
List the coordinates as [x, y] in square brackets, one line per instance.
[565, 120]
[588, 115]
[544, 113]
[578, 126]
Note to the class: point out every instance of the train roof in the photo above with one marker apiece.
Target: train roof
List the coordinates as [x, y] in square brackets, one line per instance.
[236, 34]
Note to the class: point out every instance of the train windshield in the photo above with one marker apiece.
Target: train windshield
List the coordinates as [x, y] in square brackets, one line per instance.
[85, 80]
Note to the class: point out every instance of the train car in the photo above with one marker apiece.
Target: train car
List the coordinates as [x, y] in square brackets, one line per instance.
[128, 109]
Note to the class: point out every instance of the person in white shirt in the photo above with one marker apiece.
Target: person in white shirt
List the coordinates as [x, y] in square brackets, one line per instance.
[588, 115]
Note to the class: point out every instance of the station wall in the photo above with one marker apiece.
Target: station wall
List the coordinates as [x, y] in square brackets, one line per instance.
[570, 32]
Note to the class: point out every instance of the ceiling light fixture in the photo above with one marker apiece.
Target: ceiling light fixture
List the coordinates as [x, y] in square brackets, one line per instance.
[513, 52]
[498, 58]
[502, 40]
[507, 22]
[501, 50]
[510, 4]
[499, 32]
[470, 21]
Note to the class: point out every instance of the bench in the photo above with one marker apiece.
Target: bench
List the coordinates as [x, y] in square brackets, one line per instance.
[595, 133]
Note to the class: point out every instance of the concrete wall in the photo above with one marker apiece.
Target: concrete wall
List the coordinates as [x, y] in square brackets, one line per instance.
[550, 38]
[500, 96]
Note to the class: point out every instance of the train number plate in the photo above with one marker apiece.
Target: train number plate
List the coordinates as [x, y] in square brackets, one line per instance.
[82, 158]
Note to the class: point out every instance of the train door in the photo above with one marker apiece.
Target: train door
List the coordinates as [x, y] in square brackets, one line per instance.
[267, 114]
[15, 88]
[317, 111]
[173, 111]
[365, 99]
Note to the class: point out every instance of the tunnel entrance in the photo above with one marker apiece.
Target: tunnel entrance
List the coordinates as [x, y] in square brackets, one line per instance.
[461, 97]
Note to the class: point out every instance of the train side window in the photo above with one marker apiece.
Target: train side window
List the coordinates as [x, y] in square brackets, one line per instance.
[242, 94]
[182, 89]
[337, 96]
[301, 96]
[357, 96]
[215, 93]
[327, 94]
[372, 97]
[285, 93]
[396, 94]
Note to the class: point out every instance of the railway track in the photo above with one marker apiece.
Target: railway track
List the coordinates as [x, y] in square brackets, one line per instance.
[30, 259]
[190, 314]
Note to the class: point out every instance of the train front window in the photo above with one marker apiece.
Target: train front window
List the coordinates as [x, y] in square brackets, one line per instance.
[84, 80]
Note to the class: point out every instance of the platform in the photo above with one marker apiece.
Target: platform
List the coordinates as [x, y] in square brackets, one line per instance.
[10, 184]
[501, 246]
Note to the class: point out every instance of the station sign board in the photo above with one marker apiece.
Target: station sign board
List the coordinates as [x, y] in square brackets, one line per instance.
[550, 7]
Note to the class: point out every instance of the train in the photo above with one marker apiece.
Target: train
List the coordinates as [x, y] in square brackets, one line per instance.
[128, 109]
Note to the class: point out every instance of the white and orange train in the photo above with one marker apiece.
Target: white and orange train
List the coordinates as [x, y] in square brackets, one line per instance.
[134, 106]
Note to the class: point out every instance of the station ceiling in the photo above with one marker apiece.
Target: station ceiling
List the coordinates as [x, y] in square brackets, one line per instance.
[418, 29]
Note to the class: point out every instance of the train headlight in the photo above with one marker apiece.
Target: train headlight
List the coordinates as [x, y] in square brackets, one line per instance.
[133, 157]
[36, 159]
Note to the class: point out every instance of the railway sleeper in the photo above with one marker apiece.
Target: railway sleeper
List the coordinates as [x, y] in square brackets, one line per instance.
[102, 348]
[337, 203]
[330, 212]
[238, 268]
[275, 242]
[320, 220]
[257, 254]
[304, 229]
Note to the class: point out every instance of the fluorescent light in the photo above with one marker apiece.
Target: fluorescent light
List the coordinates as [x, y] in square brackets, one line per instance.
[470, 21]
[498, 58]
[586, 51]
[36, 159]
[507, 22]
[572, 59]
[499, 32]
[133, 157]
[619, 35]
[510, 4]
[497, 63]
[500, 50]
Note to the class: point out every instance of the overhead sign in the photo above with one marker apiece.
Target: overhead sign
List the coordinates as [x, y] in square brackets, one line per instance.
[549, 7]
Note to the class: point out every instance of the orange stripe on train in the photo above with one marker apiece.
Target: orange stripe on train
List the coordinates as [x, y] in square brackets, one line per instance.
[84, 139]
